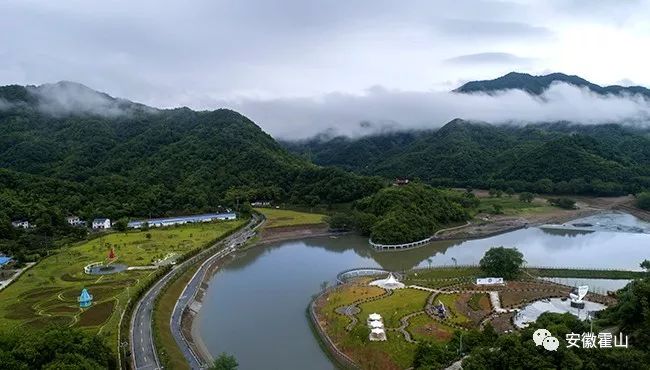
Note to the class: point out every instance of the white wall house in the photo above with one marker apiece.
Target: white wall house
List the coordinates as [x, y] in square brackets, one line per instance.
[162, 222]
[73, 220]
[102, 223]
[23, 224]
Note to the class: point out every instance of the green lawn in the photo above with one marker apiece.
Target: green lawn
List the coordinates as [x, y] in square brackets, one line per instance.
[284, 217]
[449, 300]
[512, 205]
[47, 293]
[392, 308]
[422, 327]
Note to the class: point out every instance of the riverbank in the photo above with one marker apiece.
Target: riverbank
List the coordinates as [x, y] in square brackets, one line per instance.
[279, 225]
[486, 225]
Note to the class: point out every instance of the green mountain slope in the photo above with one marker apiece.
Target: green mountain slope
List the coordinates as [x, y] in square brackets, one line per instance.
[536, 85]
[129, 159]
[601, 159]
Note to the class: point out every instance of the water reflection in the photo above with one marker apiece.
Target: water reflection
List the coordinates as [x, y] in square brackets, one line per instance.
[255, 305]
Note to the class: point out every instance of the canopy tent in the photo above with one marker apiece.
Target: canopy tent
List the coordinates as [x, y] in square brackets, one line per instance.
[377, 335]
[374, 316]
[389, 283]
[376, 324]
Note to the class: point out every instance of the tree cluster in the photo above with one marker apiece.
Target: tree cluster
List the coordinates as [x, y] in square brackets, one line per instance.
[402, 214]
[54, 348]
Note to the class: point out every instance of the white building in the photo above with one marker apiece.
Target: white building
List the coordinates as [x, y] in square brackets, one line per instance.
[102, 223]
[22, 224]
[162, 222]
[74, 220]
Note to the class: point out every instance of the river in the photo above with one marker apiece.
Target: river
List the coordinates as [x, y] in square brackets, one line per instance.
[255, 306]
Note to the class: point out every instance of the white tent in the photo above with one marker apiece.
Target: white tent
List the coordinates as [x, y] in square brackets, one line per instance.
[376, 324]
[377, 335]
[374, 316]
[389, 283]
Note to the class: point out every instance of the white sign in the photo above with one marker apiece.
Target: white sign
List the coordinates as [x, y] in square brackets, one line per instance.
[489, 281]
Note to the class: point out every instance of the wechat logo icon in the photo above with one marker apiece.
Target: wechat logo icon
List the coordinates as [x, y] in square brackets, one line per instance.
[543, 337]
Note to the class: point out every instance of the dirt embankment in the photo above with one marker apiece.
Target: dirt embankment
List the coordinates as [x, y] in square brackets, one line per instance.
[484, 225]
[277, 234]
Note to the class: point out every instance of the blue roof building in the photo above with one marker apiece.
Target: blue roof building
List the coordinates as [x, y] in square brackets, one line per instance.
[160, 222]
[5, 260]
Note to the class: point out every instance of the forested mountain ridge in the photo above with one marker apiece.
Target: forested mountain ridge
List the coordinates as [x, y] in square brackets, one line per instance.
[556, 157]
[67, 149]
[536, 85]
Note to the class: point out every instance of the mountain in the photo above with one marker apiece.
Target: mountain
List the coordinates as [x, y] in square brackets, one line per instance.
[555, 157]
[536, 85]
[67, 149]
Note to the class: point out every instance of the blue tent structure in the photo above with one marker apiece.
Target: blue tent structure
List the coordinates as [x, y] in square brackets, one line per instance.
[85, 299]
[4, 260]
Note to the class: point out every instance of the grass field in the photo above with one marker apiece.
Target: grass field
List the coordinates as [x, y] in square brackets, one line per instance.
[392, 308]
[422, 327]
[449, 300]
[47, 293]
[513, 206]
[285, 217]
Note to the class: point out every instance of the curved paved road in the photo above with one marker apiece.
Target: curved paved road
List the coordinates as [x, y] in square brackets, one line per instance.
[143, 349]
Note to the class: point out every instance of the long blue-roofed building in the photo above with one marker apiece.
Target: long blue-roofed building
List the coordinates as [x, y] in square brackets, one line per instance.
[171, 221]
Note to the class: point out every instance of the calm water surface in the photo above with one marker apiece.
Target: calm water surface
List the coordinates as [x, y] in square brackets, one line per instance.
[255, 306]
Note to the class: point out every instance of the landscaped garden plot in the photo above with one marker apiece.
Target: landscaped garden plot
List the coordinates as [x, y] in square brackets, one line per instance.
[47, 293]
[455, 316]
[395, 306]
[423, 327]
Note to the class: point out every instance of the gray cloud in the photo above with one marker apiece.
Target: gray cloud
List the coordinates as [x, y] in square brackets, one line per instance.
[65, 98]
[472, 28]
[380, 109]
[490, 58]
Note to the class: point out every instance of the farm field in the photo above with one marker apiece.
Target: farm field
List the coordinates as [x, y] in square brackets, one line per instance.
[47, 293]
[284, 217]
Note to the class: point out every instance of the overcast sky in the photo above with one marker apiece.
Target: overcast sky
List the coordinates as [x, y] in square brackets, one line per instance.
[272, 54]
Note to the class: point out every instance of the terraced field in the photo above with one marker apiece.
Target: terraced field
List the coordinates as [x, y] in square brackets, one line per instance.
[47, 293]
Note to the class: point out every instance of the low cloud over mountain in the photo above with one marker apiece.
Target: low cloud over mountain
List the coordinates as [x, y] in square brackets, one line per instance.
[380, 109]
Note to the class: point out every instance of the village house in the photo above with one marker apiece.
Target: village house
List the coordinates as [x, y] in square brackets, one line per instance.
[21, 224]
[75, 221]
[401, 181]
[101, 223]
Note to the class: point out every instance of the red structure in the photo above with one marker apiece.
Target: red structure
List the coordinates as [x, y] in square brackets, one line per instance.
[111, 254]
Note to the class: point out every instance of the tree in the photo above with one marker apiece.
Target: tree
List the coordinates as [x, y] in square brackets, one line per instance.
[121, 224]
[643, 200]
[526, 197]
[564, 203]
[492, 192]
[645, 265]
[225, 362]
[503, 262]
[497, 209]
[510, 192]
